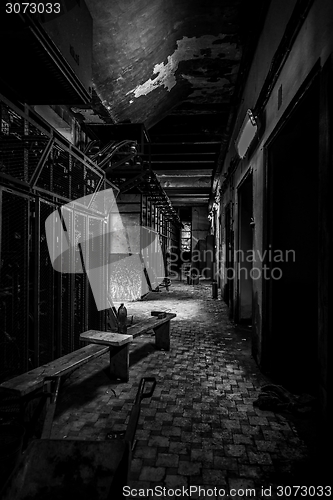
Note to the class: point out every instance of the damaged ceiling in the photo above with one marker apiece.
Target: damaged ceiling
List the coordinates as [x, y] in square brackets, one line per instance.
[176, 67]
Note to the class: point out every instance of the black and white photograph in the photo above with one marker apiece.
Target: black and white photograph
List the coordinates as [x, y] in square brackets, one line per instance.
[166, 242]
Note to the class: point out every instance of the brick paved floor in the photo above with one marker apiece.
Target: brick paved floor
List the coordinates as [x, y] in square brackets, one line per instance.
[200, 428]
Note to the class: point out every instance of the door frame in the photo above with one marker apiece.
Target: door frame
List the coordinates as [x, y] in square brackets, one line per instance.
[266, 343]
[238, 187]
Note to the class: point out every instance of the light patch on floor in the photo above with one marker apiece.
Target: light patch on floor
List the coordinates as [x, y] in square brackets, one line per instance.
[187, 48]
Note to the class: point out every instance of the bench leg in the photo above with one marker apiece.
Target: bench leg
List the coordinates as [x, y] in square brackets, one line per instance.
[162, 336]
[119, 362]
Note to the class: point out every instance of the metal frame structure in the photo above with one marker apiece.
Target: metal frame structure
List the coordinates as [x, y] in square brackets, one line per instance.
[41, 171]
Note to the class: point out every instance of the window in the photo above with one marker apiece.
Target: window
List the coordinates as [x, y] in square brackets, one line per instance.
[185, 243]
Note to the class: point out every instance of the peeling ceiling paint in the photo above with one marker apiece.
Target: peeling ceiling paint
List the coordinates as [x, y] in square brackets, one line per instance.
[187, 49]
[153, 59]
[175, 66]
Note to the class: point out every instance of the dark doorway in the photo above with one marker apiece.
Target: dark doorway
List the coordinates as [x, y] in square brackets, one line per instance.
[228, 293]
[292, 246]
[244, 251]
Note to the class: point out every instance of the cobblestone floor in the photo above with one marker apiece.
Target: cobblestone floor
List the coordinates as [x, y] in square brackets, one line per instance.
[200, 428]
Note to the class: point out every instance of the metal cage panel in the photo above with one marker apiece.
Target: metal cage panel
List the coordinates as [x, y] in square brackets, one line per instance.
[45, 303]
[67, 341]
[44, 311]
[22, 145]
[14, 279]
[96, 254]
[80, 279]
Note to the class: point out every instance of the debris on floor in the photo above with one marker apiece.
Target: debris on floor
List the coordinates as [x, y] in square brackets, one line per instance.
[276, 398]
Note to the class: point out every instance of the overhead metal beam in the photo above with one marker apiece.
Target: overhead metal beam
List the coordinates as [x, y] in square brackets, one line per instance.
[186, 182]
[184, 162]
[188, 190]
[184, 173]
[187, 153]
[188, 198]
[185, 143]
[160, 167]
[180, 202]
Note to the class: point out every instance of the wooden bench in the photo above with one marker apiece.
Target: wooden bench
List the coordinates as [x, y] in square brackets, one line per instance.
[31, 391]
[118, 343]
[100, 343]
[31, 381]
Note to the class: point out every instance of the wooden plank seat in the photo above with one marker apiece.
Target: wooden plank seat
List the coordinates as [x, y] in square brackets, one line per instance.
[118, 343]
[24, 384]
[160, 326]
[31, 390]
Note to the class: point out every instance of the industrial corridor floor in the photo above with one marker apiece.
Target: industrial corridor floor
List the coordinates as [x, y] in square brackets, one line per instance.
[199, 436]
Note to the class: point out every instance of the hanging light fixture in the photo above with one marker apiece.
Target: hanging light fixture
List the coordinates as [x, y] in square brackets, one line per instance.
[246, 134]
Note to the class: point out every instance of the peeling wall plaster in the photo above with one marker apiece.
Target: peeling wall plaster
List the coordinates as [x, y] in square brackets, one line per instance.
[187, 48]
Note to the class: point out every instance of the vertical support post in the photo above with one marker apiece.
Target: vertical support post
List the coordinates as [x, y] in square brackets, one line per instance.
[119, 362]
[162, 336]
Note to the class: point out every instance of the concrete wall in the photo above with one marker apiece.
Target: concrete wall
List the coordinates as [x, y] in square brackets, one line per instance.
[312, 45]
